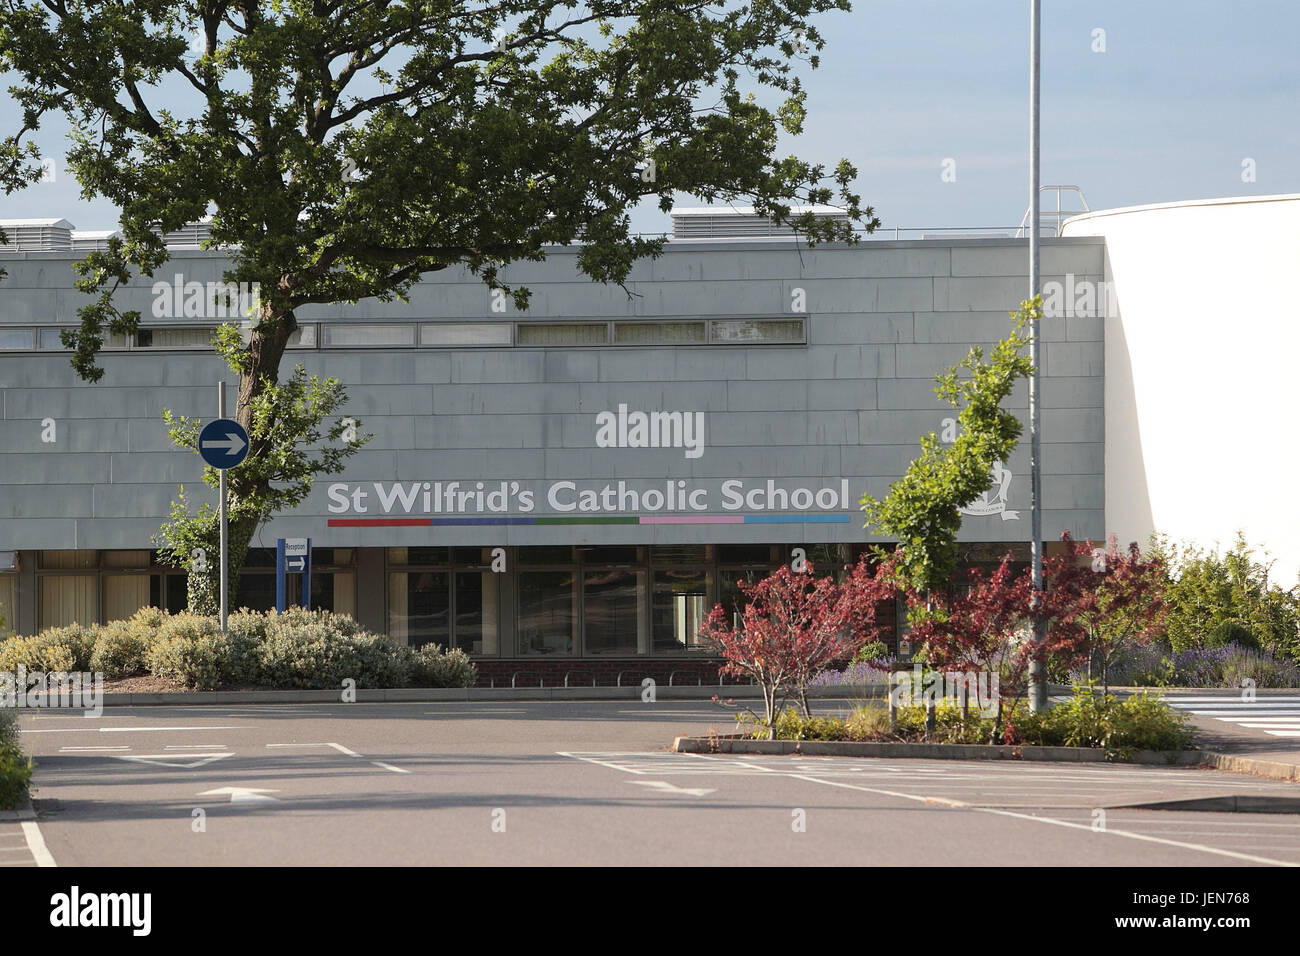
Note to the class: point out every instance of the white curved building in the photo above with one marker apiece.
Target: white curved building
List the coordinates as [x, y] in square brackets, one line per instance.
[1202, 341]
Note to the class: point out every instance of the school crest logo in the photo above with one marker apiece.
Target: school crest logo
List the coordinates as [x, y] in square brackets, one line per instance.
[994, 501]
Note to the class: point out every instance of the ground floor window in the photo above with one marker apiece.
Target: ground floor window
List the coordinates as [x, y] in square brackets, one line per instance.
[547, 612]
[8, 603]
[454, 602]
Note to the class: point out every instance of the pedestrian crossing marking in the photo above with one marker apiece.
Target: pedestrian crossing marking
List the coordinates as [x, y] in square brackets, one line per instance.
[1276, 716]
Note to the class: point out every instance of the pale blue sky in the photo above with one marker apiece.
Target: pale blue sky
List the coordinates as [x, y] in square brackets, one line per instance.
[1184, 92]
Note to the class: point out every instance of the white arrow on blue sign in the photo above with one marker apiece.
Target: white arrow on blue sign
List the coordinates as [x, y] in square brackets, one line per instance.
[223, 443]
[295, 564]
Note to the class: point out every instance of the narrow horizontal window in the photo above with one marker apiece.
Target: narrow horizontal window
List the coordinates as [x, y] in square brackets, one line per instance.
[370, 335]
[184, 338]
[569, 333]
[17, 339]
[458, 334]
[49, 339]
[659, 333]
[758, 330]
[303, 337]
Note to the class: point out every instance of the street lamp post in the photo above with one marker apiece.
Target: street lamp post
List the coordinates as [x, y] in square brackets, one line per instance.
[1037, 667]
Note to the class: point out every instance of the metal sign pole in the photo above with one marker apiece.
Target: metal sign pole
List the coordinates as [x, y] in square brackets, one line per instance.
[225, 568]
[279, 576]
[306, 578]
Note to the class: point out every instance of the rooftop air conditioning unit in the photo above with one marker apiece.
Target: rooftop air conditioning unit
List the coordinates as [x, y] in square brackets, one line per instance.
[92, 240]
[37, 235]
[738, 222]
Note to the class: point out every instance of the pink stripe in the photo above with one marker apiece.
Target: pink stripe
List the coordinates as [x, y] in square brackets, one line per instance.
[693, 519]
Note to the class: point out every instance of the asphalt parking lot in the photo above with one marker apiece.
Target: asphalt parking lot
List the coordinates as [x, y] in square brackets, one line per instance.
[526, 783]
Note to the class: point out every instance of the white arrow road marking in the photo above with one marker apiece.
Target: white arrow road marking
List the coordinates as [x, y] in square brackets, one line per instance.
[243, 794]
[170, 760]
[665, 787]
[233, 444]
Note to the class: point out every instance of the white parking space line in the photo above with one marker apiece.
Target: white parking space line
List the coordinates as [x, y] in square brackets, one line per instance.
[195, 747]
[344, 750]
[36, 843]
[120, 730]
[389, 766]
[90, 749]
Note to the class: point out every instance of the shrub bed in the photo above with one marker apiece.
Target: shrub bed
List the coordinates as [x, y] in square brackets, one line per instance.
[297, 649]
[1209, 666]
[1120, 727]
[15, 769]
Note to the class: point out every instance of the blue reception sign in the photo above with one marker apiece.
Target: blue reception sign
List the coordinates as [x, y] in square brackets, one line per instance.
[223, 443]
[292, 556]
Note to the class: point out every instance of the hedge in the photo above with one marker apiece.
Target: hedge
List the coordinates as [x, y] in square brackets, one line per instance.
[299, 649]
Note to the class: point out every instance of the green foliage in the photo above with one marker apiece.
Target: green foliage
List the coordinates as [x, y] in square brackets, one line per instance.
[15, 776]
[304, 650]
[300, 648]
[870, 723]
[921, 509]
[870, 653]
[120, 650]
[289, 444]
[1120, 727]
[1208, 591]
[435, 667]
[15, 769]
[189, 649]
[57, 649]
[1231, 632]
[346, 150]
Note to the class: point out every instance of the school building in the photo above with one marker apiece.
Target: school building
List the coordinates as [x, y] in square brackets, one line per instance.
[567, 491]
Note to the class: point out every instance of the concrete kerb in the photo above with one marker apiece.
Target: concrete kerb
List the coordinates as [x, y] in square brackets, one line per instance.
[1233, 803]
[25, 812]
[732, 743]
[467, 694]
[429, 695]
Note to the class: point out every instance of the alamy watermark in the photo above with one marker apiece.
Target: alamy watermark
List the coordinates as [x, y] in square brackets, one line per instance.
[1079, 298]
[66, 690]
[958, 687]
[198, 300]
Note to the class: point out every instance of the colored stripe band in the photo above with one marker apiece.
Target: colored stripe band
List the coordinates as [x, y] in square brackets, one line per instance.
[596, 519]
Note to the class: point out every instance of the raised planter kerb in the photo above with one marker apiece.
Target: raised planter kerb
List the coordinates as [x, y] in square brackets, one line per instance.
[735, 744]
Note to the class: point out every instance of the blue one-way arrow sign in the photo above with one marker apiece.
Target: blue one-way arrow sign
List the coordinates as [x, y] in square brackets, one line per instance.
[223, 443]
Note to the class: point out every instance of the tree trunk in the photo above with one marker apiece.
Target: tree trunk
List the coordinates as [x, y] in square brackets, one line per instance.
[802, 696]
[265, 350]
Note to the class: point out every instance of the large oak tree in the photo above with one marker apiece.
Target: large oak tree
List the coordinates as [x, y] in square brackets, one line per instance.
[345, 149]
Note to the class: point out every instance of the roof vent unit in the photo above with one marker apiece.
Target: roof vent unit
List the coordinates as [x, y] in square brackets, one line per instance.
[37, 235]
[738, 222]
[190, 235]
[92, 240]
